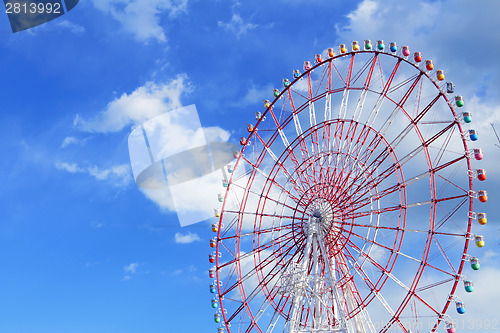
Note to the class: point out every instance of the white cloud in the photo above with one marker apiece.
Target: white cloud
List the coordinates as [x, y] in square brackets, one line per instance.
[189, 269]
[72, 27]
[71, 140]
[256, 94]
[70, 167]
[216, 134]
[132, 268]
[118, 175]
[178, 140]
[96, 224]
[237, 25]
[68, 141]
[142, 104]
[142, 18]
[438, 33]
[186, 238]
[161, 198]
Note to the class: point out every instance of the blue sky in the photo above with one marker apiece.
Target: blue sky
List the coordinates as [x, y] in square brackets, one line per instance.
[82, 248]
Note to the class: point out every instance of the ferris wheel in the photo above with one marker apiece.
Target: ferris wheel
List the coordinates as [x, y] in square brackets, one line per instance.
[350, 205]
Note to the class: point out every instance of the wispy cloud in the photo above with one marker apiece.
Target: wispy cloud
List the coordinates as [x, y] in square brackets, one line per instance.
[237, 25]
[71, 140]
[72, 27]
[118, 175]
[256, 94]
[186, 238]
[96, 224]
[70, 167]
[130, 270]
[142, 18]
[142, 104]
[189, 269]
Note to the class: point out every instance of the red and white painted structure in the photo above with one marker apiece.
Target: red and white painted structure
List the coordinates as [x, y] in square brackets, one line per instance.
[350, 206]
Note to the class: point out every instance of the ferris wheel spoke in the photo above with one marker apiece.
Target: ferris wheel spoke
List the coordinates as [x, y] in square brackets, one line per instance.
[316, 149]
[268, 149]
[286, 143]
[338, 73]
[443, 253]
[361, 161]
[448, 182]
[443, 147]
[370, 169]
[259, 314]
[305, 157]
[383, 94]
[344, 272]
[339, 176]
[362, 97]
[449, 163]
[255, 251]
[258, 232]
[259, 214]
[328, 96]
[434, 285]
[353, 214]
[226, 247]
[366, 198]
[391, 250]
[359, 270]
[296, 121]
[410, 295]
[306, 168]
[448, 216]
[276, 201]
[399, 106]
[355, 146]
[404, 83]
[418, 297]
[453, 275]
[349, 139]
[399, 138]
[255, 292]
[229, 227]
[367, 65]
[395, 228]
[303, 148]
[274, 320]
[312, 112]
[356, 161]
[406, 158]
[372, 286]
[406, 300]
[273, 181]
[345, 97]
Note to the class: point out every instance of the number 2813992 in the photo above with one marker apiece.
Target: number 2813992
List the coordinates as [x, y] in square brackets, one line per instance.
[32, 8]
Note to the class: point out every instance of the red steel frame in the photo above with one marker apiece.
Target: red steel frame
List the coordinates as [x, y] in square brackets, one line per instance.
[306, 177]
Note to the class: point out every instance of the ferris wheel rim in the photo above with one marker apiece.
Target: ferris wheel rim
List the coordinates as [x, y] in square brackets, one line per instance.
[423, 73]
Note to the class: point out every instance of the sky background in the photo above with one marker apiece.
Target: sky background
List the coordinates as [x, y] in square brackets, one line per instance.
[82, 248]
